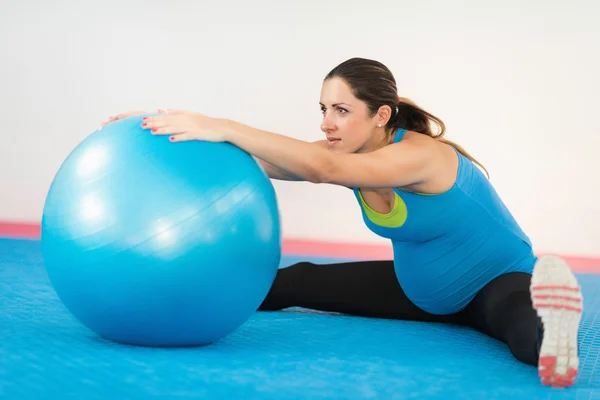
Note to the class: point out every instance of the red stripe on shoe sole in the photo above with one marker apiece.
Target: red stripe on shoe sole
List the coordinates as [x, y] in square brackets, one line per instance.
[558, 307]
[556, 287]
[556, 297]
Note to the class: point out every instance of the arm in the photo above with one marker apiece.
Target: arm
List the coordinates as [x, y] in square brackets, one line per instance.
[278, 173]
[399, 164]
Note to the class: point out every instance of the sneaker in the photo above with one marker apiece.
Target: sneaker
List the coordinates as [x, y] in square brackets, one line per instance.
[557, 299]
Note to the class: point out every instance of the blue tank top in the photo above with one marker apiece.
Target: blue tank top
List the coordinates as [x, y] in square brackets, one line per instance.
[448, 246]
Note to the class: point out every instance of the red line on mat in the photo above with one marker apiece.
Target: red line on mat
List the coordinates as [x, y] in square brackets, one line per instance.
[312, 248]
[19, 230]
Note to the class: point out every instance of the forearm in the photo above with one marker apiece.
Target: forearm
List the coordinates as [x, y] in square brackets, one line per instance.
[298, 158]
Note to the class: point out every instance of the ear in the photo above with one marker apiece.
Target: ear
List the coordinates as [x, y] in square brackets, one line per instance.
[383, 115]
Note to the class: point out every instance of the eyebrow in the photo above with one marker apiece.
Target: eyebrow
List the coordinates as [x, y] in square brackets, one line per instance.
[336, 104]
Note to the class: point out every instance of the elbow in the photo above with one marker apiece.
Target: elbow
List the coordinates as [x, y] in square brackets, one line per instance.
[323, 171]
[314, 175]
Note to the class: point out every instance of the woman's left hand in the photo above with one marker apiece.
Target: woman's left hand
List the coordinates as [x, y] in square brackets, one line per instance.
[187, 125]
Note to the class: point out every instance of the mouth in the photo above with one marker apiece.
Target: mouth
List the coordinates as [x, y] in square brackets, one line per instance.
[332, 140]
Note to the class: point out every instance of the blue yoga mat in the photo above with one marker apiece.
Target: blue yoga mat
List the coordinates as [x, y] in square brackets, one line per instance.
[294, 354]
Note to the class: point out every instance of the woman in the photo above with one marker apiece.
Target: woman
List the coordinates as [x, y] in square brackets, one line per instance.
[459, 255]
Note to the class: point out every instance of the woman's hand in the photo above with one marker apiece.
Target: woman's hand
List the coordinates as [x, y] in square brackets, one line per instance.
[187, 125]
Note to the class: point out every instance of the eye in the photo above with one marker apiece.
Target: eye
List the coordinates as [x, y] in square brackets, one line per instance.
[342, 110]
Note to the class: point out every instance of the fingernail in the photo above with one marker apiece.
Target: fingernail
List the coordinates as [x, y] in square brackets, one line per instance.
[144, 125]
[172, 138]
[153, 130]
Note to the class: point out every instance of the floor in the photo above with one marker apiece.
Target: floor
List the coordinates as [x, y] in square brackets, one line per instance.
[295, 354]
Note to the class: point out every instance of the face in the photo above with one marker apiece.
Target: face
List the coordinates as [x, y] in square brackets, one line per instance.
[347, 123]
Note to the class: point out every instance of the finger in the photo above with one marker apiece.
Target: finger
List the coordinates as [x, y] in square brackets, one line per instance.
[109, 120]
[175, 112]
[130, 114]
[122, 116]
[159, 121]
[183, 137]
[166, 130]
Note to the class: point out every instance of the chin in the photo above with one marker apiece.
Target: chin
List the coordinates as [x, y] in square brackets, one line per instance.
[336, 149]
[340, 147]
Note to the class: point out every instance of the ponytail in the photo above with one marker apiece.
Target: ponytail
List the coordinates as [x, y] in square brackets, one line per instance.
[411, 117]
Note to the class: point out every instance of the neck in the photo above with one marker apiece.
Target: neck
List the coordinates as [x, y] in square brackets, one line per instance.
[380, 138]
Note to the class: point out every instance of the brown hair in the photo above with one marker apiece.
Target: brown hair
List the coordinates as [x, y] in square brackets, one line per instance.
[373, 83]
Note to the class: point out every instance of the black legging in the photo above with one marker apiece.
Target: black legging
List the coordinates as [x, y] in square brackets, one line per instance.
[502, 309]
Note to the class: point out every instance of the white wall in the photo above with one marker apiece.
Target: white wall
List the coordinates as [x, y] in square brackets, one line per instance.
[517, 84]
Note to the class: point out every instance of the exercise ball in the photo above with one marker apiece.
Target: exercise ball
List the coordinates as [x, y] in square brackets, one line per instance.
[154, 243]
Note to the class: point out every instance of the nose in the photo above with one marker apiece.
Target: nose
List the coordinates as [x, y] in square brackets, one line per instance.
[328, 124]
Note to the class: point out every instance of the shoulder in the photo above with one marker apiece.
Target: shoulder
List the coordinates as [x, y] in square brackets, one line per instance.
[417, 138]
[420, 146]
[416, 145]
[438, 160]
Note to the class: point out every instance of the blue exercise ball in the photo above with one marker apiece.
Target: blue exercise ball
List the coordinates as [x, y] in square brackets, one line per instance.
[153, 243]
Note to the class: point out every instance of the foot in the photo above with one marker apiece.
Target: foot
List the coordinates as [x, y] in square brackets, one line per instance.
[556, 297]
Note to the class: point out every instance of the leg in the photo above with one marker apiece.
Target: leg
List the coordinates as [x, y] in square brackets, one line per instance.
[504, 311]
[536, 315]
[364, 288]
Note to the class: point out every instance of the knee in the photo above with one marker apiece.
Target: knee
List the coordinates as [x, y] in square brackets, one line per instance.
[298, 265]
[297, 270]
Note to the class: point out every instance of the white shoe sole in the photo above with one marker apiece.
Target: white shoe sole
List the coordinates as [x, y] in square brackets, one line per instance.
[557, 299]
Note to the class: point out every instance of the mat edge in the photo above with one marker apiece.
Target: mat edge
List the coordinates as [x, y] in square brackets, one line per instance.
[310, 247]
